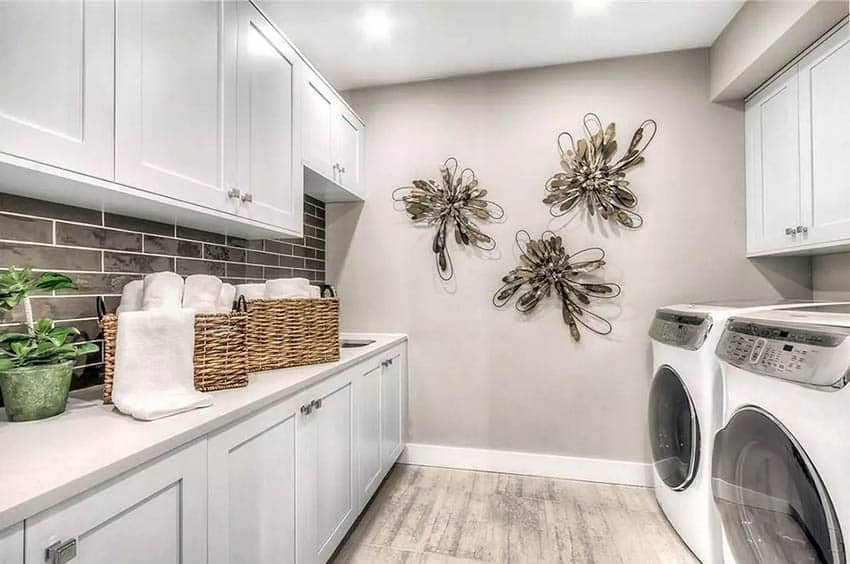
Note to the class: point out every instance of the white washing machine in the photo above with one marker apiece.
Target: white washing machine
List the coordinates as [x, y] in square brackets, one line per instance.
[685, 410]
[781, 463]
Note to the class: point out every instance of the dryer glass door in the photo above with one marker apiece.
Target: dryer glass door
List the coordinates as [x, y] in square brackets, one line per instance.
[674, 429]
[773, 505]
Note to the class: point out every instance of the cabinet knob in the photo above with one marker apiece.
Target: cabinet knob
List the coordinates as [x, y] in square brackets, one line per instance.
[317, 403]
[233, 193]
[247, 197]
[802, 229]
[342, 169]
[307, 409]
[60, 552]
[790, 231]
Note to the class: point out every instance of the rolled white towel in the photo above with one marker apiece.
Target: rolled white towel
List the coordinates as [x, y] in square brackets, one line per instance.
[154, 364]
[282, 288]
[315, 292]
[163, 290]
[201, 293]
[131, 296]
[251, 291]
[226, 298]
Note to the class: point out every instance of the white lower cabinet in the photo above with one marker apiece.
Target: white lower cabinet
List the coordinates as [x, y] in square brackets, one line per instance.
[367, 385]
[12, 545]
[154, 515]
[281, 485]
[392, 405]
[326, 499]
[252, 488]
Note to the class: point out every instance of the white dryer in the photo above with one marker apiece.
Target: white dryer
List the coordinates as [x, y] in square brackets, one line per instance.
[781, 463]
[685, 410]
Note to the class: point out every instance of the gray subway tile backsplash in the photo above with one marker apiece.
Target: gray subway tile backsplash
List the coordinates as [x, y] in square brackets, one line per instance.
[103, 251]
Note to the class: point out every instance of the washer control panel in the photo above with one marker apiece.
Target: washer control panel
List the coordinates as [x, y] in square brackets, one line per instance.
[813, 357]
[684, 330]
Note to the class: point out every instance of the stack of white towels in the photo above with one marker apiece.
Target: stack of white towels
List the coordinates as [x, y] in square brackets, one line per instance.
[154, 347]
[155, 344]
[281, 288]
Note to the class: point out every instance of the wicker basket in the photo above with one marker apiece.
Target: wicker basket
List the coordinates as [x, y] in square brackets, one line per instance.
[292, 332]
[220, 352]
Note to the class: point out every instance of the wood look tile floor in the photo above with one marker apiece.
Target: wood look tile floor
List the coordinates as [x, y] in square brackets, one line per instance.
[436, 515]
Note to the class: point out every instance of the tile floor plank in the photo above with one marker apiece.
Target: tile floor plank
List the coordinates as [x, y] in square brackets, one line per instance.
[436, 515]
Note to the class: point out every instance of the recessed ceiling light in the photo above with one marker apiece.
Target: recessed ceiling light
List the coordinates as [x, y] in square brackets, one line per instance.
[590, 6]
[376, 25]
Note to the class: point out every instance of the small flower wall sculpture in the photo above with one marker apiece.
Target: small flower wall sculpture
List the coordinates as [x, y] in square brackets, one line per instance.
[591, 178]
[547, 268]
[453, 204]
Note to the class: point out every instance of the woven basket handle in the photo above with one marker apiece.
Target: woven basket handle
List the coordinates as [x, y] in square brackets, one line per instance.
[241, 304]
[101, 308]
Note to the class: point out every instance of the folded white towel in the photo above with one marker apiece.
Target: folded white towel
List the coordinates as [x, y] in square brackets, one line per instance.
[226, 298]
[201, 293]
[251, 291]
[315, 292]
[163, 290]
[131, 296]
[282, 288]
[153, 364]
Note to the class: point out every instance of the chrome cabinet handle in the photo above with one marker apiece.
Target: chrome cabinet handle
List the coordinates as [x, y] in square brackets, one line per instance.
[247, 197]
[790, 231]
[802, 229]
[233, 193]
[317, 403]
[307, 409]
[60, 552]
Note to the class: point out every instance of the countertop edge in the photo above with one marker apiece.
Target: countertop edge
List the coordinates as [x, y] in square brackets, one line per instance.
[31, 506]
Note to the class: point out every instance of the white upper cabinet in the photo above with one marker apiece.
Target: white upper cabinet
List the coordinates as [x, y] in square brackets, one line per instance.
[157, 514]
[270, 177]
[56, 98]
[824, 80]
[175, 79]
[318, 121]
[797, 142]
[349, 144]
[773, 184]
[252, 488]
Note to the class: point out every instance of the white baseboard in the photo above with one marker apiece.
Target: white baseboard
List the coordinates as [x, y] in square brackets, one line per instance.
[530, 464]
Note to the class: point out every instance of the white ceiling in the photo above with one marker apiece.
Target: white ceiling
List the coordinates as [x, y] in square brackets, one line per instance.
[426, 40]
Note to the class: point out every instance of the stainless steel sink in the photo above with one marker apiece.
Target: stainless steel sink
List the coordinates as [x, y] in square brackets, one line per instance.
[355, 343]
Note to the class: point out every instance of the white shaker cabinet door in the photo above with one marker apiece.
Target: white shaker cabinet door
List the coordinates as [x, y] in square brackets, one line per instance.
[269, 88]
[349, 143]
[154, 515]
[12, 545]
[772, 159]
[175, 65]
[367, 385]
[824, 78]
[318, 124]
[393, 385]
[252, 489]
[56, 70]
[325, 472]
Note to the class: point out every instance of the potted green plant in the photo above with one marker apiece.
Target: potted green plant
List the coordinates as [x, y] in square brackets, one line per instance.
[36, 366]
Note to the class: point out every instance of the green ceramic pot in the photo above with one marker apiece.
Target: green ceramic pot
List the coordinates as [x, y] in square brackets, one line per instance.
[36, 392]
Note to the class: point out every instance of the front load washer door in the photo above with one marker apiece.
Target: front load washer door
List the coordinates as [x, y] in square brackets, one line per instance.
[772, 503]
[674, 429]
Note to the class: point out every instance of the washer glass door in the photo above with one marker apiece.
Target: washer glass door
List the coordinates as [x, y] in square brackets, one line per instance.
[773, 505]
[674, 429]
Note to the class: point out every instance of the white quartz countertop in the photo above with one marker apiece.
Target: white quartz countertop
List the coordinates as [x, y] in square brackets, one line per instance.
[49, 461]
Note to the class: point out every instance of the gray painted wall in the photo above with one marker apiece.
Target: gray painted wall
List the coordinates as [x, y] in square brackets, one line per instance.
[831, 277]
[483, 377]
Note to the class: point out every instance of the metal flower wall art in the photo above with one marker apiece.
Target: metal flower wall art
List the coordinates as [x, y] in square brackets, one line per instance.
[548, 269]
[453, 205]
[593, 179]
